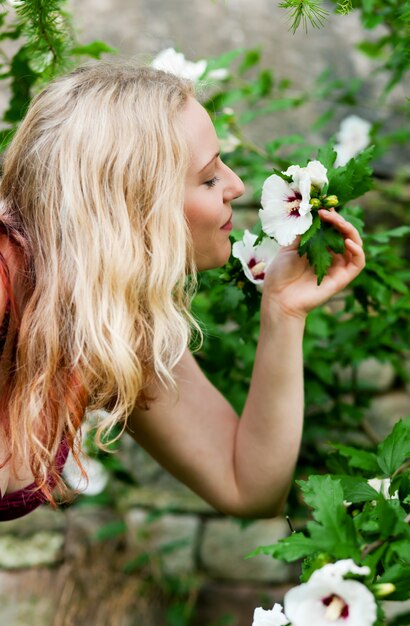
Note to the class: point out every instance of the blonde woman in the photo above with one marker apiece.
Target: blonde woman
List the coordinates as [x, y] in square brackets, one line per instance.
[113, 192]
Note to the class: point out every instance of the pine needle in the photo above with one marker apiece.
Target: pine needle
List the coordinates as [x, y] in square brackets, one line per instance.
[344, 7]
[304, 11]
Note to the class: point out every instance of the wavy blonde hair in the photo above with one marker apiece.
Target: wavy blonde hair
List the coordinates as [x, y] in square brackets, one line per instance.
[94, 181]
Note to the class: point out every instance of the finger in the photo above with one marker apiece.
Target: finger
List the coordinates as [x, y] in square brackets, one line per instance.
[357, 255]
[345, 227]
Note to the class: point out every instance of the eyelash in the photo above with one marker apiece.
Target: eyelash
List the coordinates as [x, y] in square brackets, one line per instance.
[212, 182]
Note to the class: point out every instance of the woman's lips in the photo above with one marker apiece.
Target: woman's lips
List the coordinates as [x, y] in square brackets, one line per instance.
[227, 225]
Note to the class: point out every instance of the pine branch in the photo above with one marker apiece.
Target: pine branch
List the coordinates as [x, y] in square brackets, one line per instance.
[344, 7]
[304, 11]
[48, 32]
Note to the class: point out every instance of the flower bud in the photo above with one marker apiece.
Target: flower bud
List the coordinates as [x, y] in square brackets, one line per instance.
[316, 203]
[381, 590]
[330, 202]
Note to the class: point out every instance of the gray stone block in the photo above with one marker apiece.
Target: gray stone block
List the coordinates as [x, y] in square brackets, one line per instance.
[225, 544]
[168, 540]
[386, 410]
[43, 548]
[157, 497]
[371, 374]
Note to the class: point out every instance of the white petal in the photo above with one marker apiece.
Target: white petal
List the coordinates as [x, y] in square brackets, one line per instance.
[284, 227]
[303, 186]
[267, 250]
[275, 192]
[274, 617]
[243, 250]
[382, 485]
[339, 569]
[317, 173]
[294, 171]
[219, 74]
[174, 62]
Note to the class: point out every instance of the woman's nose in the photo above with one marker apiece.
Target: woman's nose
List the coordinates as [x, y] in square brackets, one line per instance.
[234, 187]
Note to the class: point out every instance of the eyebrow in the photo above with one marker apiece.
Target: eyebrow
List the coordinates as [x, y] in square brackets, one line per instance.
[209, 162]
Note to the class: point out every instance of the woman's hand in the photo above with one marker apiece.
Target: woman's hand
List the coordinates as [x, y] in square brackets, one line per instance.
[290, 286]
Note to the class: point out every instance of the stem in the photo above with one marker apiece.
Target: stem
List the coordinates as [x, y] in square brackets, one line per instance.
[370, 547]
[402, 468]
[370, 433]
[45, 36]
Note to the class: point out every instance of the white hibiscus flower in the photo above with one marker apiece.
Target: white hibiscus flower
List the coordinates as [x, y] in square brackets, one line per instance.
[97, 475]
[353, 137]
[286, 210]
[254, 260]
[169, 60]
[273, 617]
[328, 599]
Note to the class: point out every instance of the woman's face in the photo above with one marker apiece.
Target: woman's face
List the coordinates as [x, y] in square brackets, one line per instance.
[210, 187]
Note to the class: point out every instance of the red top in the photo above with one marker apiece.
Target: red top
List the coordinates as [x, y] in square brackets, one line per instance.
[22, 502]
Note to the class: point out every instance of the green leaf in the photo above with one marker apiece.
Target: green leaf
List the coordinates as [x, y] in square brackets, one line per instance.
[317, 249]
[402, 548]
[356, 489]
[333, 530]
[110, 530]
[94, 49]
[223, 60]
[360, 459]
[289, 549]
[311, 231]
[352, 180]
[387, 517]
[386, 235]
[327, 154]
[395, 449]
[251, 58]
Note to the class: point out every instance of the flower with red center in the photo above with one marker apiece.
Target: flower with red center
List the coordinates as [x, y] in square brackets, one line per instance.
[327, 598]
[254, 260]
[286, 207]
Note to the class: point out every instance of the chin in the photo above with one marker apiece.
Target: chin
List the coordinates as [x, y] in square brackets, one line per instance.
[215, 261]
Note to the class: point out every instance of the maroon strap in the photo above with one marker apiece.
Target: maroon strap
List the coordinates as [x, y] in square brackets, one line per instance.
[22, 502]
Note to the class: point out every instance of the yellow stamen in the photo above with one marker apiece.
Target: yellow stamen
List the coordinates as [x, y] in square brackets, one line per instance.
[258, 268]
[335, 608]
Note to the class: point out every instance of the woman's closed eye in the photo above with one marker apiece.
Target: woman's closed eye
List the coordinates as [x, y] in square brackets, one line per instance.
[212, 182]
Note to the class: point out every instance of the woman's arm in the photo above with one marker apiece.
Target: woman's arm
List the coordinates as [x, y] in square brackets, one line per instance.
[244, 467]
